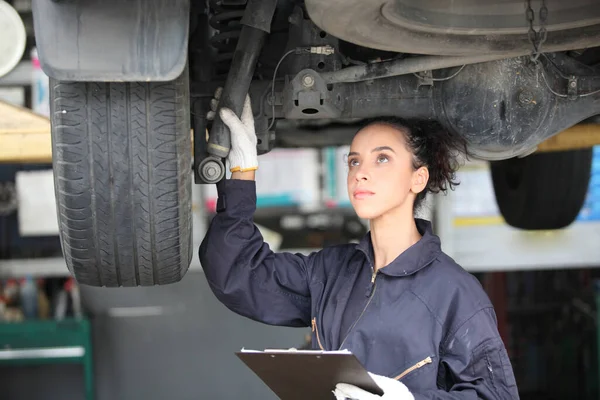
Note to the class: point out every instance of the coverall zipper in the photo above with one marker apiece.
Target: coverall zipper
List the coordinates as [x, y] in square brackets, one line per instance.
[316, 330]
[418, 365]
[371, 293]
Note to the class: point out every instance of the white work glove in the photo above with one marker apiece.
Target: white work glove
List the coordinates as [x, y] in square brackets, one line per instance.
[392, 390]
[242, 155]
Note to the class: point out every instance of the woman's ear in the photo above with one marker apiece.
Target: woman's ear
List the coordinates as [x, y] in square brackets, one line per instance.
[420, 179]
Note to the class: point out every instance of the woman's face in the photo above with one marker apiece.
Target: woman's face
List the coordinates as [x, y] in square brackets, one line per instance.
[381, 177]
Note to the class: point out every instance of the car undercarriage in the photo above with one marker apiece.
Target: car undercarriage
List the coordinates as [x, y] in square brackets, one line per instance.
[130, 81]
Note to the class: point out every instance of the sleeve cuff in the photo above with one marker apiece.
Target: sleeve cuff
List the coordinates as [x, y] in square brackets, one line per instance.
[236, 197]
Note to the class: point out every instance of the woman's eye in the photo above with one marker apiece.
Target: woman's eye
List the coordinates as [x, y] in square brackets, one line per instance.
[353, 162]
[382, 159]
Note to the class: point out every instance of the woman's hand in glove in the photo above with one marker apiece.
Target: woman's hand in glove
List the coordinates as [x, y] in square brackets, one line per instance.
[392, 390]
[242, 156]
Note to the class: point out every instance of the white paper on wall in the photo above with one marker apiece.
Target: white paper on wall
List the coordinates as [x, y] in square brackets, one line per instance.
[474, 196]
[36, 202]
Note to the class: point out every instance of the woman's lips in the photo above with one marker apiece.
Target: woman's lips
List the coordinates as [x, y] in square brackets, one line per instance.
[362, 194]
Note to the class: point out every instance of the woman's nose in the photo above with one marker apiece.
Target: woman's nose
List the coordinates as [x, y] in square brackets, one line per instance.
[362, 174]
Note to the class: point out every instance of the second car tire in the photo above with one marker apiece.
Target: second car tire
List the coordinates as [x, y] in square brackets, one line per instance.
[542, 191]
[122, 171]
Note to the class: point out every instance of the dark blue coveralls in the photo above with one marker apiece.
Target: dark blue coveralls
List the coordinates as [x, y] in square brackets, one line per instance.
[421, 319]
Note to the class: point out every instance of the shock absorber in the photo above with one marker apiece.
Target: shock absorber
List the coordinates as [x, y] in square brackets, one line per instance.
[256, 24]
[226, 20]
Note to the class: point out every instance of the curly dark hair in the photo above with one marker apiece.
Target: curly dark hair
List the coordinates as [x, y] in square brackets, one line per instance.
[433, 147]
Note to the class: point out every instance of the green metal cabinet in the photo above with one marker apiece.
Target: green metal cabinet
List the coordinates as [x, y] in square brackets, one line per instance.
[49, 342]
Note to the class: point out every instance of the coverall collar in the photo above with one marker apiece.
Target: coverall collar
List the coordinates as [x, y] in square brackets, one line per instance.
[413, 259]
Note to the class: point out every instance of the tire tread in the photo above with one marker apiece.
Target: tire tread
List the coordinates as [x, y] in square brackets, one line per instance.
[122, 166]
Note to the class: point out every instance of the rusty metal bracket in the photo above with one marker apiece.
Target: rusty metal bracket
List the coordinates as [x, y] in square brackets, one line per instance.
[425, 78]
[572, 87]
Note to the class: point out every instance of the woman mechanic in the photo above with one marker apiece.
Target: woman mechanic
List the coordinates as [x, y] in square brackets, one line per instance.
[421, 325]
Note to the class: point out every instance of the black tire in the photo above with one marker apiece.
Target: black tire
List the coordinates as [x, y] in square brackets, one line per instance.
[122, 172]
[544, 190]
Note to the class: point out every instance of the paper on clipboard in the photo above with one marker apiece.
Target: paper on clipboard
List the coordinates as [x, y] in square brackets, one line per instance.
[294, 350]
[294, 374]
